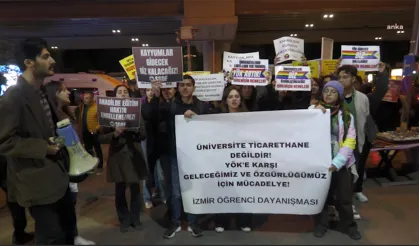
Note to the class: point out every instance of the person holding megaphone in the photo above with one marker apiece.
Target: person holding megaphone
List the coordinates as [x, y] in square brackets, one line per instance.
[126, 166]
[58, 95]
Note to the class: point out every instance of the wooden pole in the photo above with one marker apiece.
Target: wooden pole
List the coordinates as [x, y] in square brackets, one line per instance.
[188, 45]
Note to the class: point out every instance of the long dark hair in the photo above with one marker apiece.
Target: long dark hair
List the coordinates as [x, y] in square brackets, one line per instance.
[224, 106]
[118, 86]
[51, 89]
[319, 82]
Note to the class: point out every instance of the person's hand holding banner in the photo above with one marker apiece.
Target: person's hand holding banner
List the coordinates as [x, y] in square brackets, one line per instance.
[155, 87]
[323, 109]
[188, 114]
[332, 168]
[304, 61]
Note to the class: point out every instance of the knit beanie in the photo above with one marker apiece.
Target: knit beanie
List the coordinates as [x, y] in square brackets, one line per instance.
[336, 85]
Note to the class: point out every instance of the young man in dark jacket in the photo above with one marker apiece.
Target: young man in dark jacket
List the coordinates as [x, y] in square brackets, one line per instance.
[188, 105]
[36, 173]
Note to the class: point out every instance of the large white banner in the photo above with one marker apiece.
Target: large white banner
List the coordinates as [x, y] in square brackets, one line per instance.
[261, 162]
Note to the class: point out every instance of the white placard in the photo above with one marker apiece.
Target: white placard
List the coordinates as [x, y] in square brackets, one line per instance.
[250, 72]
[209, 87]
[289, 48]
[327, 49]
[228, 58]
[292, 78]
[280, 163]
[147, 85]
[364, 58]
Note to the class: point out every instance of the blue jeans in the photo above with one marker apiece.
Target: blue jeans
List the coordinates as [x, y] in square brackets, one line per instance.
[177, 197]
[158, 176]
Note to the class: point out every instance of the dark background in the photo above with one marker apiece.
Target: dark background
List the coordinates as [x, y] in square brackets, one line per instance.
[73, 61]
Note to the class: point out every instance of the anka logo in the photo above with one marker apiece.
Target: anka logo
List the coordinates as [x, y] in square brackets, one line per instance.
[395, 27]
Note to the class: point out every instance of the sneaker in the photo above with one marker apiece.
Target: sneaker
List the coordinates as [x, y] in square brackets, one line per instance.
[319, 231]
[361, 197]
[148, 205]
[354, 234]
[246, 229]
[22, 239]
[219, 229]
[171, 232]
[195, 230]
[82, 241]
[357, 216]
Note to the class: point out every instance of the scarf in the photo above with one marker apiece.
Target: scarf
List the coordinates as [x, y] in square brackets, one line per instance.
[334, 109]
[346, 115]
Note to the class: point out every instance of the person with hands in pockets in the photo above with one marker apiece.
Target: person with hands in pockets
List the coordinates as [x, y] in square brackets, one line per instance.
[343, 139]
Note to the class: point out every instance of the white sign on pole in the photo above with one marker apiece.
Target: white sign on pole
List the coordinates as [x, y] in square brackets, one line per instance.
[250, 72]
[209, 87]
[261, 162]
[327, 49]
[228, 58]
[292, 78]
[289, 48]
[364, 58]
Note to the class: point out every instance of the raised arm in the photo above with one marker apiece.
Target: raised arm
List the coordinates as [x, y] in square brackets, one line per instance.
[381, 87]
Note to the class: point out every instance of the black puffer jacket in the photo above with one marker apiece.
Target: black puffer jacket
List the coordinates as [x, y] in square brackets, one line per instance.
[272, 100]
[156, 126]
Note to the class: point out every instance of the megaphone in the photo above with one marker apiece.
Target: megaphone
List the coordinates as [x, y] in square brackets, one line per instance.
[81, 162]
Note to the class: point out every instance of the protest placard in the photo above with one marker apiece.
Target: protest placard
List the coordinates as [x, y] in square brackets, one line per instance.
[314, 67]
[250, 72]
[292, 78]
[289, 48]
[129, 66]
[163, 64]
[328, 67]
[364, 58]
[209, 87]
[256, 163]
[228, 59]
[327, 49]
[196, 72]
[119, 112]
